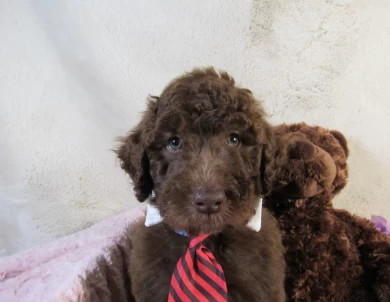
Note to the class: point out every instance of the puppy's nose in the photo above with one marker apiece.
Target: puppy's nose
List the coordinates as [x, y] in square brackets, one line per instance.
[209, 201]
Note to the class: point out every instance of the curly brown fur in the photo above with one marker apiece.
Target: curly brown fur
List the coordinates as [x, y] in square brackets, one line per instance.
[331, 255]
[202, 110]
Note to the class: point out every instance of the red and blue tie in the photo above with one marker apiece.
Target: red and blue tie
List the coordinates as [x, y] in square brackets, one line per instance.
[198, 276]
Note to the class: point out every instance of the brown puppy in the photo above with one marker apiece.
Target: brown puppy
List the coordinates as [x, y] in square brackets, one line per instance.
[207, 152]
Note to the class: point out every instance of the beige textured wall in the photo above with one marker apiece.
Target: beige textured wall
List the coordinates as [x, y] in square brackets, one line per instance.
[75, 74]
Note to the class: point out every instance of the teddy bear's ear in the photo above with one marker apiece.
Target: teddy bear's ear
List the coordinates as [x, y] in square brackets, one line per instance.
[342, 140]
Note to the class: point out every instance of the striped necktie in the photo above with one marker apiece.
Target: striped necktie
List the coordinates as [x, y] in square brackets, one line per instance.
[198, 276]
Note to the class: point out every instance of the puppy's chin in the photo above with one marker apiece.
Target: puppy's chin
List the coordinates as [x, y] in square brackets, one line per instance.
[198, 224]
[204, 224]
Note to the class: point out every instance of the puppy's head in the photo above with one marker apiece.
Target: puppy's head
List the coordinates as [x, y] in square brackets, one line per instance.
[205, 149]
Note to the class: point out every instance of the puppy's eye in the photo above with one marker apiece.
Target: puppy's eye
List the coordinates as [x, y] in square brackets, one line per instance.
[233, 139]
[174, 144]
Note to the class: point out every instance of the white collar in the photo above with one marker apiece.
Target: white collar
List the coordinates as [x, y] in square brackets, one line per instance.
[153, 217]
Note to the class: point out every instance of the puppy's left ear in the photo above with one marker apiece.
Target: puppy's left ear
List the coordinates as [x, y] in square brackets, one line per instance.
[132, 152]
[273, 159]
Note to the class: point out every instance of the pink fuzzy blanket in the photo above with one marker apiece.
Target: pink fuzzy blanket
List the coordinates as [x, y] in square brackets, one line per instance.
[90, 265]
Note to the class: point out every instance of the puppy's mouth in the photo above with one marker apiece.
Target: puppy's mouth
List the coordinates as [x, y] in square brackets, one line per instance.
[204, 223]
[213, 224]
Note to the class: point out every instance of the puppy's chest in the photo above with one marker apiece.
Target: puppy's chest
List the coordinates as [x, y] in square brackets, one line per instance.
[240, 261]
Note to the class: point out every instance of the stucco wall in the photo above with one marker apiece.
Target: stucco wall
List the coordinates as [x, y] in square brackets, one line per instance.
[75, 74]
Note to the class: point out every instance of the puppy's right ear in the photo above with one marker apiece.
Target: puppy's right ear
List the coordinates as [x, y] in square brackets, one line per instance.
[132, 152]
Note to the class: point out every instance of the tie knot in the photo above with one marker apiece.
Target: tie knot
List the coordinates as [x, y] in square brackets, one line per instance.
[196, 242]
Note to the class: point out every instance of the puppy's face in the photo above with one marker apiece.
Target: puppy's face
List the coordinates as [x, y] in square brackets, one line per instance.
[203, 142]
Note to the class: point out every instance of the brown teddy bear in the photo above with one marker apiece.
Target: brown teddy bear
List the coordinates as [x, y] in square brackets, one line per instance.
[331, 255]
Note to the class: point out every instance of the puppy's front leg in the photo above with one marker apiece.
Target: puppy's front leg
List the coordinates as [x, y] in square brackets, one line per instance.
[150, 282]
[154, 257]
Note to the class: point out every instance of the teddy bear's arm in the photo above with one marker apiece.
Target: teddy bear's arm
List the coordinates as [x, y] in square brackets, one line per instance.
[374, 248]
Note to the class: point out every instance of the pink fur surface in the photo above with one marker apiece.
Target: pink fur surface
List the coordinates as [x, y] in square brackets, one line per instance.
[52, 272]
